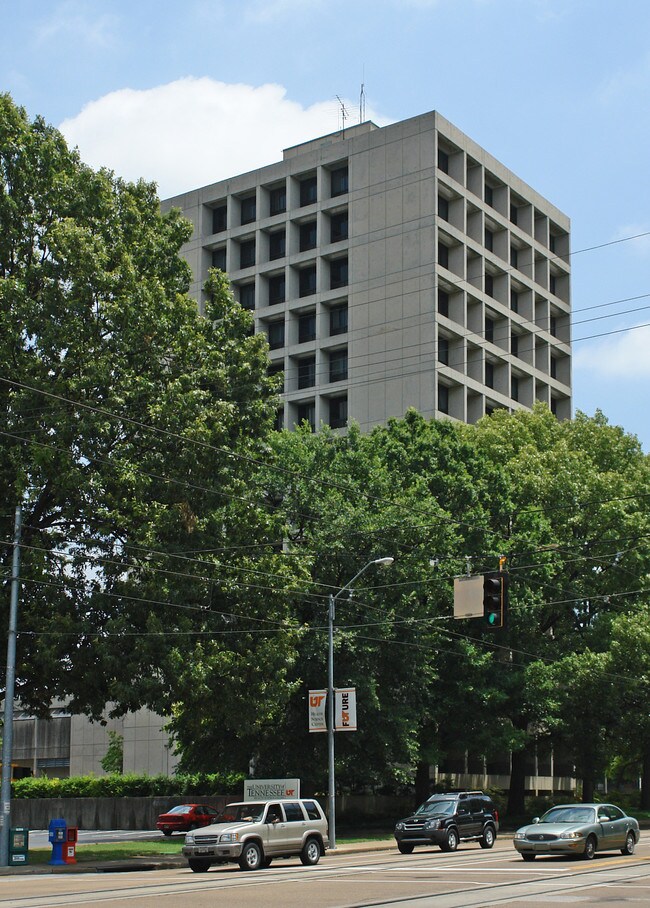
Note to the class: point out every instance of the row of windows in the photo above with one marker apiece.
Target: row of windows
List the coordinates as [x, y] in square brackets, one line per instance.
[244, 252]
[469, 266]
[276, 284]
[534, 308]
[461, 403]
[244, 209]
[338, 324]
[304, 373]
[470, 173]
[471, 359]
[336, 413]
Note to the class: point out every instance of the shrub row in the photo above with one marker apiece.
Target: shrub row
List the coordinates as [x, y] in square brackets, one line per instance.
[129, 786]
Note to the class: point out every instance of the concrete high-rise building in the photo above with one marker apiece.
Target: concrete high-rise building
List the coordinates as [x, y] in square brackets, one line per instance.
[394, 267]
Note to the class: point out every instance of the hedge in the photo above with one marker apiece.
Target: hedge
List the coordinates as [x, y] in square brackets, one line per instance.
[129, 786]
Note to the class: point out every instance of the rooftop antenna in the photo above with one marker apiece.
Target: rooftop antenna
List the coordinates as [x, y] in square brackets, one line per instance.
[344, 114]
[362, 104]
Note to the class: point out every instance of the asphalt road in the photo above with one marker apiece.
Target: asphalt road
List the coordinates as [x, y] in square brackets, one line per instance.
[469, 878]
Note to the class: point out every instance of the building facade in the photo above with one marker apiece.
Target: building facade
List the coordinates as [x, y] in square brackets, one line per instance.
[390, 268]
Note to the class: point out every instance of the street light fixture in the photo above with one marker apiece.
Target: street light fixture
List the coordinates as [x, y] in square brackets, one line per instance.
[330, 694]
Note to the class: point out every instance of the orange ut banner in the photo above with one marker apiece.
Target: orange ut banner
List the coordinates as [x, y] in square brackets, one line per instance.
[317, 703]
[345, 709]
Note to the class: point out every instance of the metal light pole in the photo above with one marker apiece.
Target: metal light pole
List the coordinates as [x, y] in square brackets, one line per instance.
[8, 726]
[330, 696]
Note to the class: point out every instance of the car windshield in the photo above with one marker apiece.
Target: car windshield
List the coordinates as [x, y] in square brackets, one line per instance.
[436, 808]
[182, 808]
[569, 815]
[241, 813]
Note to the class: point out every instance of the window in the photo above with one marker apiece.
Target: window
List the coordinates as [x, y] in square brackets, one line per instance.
[443, 351]
[553, 367]
[278, 423]
[489, 374]
[551, 242]
[514, 344]
[489, 285]
[219, 258]
[307, 413]
[275, 369]
[307, 327]
[219, 219]
[552, 325]
[276, 335]
[443, 160]
[293, 812]
[514, 300]
[339, 319]
[489, 329]
[307, 281]
[338, 273]
[489, 239]
[307, 372]
[514, 256]
[308, 194]
[307, 236]
[489, 195]
[513, 213]
[277, 245]
[247, 254]
[443, 303]
[338, 227]
[338, 419]
[278, 200]
[339, 181]
[514, 387]
[552, 284]
[443, 207]
[338, 365]
[443, 398]
[247, 210]
[443, 255]
[276, 289]
[247, 296]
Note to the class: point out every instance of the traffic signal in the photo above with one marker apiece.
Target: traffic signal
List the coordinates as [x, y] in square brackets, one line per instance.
[495, 598]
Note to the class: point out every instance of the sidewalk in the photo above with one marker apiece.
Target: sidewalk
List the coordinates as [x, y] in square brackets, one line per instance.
[163, 861]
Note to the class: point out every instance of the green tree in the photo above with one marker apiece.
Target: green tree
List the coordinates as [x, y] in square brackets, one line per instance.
[113, 759]
[132, 426]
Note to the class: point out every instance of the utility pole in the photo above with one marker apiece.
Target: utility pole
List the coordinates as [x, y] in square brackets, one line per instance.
[8, 729]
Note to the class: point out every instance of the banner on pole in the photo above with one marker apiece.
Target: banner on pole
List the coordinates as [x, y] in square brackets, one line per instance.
[345, 709]
[317, 703]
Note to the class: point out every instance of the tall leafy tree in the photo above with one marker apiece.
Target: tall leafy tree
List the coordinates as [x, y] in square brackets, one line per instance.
[131, 428]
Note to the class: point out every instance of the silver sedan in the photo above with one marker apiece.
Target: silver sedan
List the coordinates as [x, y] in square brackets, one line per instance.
[578, 829]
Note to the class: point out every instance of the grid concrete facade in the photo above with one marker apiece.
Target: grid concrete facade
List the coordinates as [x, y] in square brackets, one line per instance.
[390, 268]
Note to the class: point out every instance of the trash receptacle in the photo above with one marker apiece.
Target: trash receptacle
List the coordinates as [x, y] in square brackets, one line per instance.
[70, 847]
[56, 833]
[18, 845]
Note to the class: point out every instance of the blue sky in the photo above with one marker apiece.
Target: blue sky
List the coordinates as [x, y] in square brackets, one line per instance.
[559, 90]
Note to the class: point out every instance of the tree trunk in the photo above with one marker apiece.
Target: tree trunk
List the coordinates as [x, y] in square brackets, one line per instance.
[588, 787]
[516, 795]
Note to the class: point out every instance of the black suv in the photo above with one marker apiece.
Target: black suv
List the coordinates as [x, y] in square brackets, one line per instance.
[447, 819]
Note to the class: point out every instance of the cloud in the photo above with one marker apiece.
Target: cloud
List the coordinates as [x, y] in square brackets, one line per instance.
[618, 356]
[196, 131]
[70, 22]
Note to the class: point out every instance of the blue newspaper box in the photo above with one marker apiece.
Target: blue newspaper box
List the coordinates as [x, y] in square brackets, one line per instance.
[56, 833]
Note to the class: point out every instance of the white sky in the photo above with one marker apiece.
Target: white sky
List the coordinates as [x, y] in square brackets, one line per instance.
[187, 93]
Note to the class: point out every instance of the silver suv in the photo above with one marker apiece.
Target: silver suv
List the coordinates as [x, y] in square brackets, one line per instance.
[252, 833]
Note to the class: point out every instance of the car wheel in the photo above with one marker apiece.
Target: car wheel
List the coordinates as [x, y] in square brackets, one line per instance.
[451, 841]
[405, 849]
[527, 857]
[630, 844]
[192, 826]
[590, 848]
[310, 853]
[166, 832]
[267, 862]
[487, 840]
[198, 865]
[251, 856]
